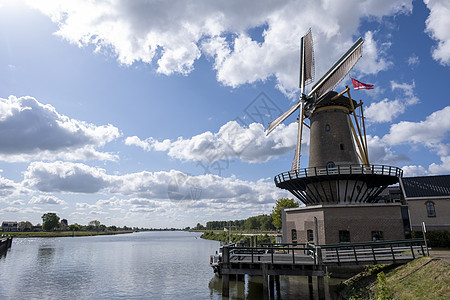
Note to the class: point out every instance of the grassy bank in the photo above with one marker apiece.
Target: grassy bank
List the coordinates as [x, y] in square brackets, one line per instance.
[235, 237]
[422, 278]
[63, 233]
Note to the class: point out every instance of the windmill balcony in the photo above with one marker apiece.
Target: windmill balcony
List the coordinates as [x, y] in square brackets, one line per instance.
[340, 184]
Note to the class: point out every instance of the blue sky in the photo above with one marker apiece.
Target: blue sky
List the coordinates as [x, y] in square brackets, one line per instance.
[142, 113]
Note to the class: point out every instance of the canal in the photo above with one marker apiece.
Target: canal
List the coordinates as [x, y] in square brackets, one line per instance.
[142, 265]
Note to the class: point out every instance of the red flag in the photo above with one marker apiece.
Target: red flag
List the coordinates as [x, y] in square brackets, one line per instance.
[358, 85]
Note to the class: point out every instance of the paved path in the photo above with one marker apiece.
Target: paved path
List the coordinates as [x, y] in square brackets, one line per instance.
[441, 253]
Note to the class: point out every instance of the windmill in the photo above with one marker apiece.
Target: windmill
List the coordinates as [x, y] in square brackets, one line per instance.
[307, 103]
[339, 171]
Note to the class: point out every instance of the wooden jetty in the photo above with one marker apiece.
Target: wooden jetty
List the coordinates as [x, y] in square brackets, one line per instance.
[5, 244]
[272, 260]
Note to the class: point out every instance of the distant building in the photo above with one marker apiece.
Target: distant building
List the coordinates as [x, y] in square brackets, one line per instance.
[9, 226]
[428, 200]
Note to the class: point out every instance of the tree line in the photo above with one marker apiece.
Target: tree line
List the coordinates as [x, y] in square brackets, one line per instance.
[52, 222]
[261, 222]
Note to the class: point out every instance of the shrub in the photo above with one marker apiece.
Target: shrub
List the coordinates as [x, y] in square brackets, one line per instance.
[436, 238]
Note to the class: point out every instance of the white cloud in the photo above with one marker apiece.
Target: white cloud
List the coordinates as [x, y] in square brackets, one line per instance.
[371, 61]
[9, 188]
[175, 36]
[433, 169]
[231, 141]
[65, 177]
[381, 153]
[32, 130]
[437, 25]
[386, 110]
[433, 132]
[162, 186]
[46, 199]
[413, 60]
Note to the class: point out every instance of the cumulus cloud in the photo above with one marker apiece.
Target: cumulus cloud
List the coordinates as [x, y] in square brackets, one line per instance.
[165, 186]
[372, 62]
[437, 25]
[65, 177]
[433, 169]
[386, 110]
[32, 130]
[381, 153]
[9, 188]
[46, 199]
[249, 144]
[433, 132]
[175, 36]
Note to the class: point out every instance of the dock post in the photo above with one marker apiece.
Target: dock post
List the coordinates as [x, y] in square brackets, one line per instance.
[321, 287]
[265, 274]
[225, 277]
[225, 285]
[310, 287]
[277, 284]
[272, 286]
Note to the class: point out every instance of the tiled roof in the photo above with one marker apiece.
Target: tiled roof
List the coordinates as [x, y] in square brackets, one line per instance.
[426, 186]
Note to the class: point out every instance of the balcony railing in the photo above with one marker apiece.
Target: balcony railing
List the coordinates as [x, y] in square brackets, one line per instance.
[340, 170]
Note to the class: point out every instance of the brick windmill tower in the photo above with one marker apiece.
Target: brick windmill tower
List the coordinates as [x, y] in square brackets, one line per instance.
[340, 187]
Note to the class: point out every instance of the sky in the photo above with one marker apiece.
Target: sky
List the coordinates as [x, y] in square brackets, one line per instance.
[153, 113]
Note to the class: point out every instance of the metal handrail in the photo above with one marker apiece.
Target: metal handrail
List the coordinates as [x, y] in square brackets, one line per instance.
[339, 170]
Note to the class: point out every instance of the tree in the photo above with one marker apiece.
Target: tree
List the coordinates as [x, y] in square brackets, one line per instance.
[49, 221]
[25, 226]
[276, 211]
[74, 227]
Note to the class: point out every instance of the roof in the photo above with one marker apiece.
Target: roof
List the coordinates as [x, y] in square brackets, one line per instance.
[426, 186]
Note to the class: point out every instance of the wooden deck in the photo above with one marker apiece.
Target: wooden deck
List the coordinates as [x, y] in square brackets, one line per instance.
[311, 260]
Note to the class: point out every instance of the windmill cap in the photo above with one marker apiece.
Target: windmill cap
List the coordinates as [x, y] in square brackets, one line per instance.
[325, 100]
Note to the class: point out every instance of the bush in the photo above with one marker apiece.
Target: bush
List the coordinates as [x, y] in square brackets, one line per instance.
[436, 238]
[382, 290]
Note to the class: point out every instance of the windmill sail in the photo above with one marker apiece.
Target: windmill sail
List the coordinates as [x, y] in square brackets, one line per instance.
[306, 76]
[306, 59]
[283, 117]
[338, 71]
[298, 148]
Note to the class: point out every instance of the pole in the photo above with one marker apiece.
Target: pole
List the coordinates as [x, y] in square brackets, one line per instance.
[424, 230]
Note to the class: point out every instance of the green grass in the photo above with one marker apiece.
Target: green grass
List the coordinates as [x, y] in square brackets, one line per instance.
[62, 233]
[422, 278]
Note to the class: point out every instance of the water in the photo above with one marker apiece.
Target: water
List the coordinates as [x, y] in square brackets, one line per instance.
[143, 265]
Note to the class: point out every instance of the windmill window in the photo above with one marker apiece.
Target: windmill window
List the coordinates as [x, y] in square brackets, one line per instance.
[377, 235]
[294, 236]
[327, 127]
[330, 165]
[430, 209]
[341, 146]
[344, 236]
[310, 235]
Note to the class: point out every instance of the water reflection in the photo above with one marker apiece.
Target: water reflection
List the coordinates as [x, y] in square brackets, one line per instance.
[291, 287]
[146, 265]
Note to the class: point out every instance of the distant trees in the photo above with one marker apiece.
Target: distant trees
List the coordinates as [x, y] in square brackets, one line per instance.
[261, 222]
[50, 221]
[25, 226]
[199, 227]
[276, 211]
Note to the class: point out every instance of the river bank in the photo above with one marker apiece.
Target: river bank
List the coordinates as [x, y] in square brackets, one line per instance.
[422, 278]
[225, 236]
[63, 233]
